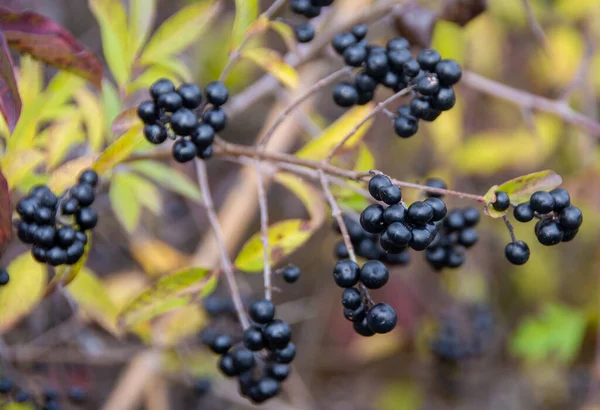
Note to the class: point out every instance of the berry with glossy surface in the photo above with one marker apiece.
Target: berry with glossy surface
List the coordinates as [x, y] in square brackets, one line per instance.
[89, 176]
[191, 95]
[397, 59]
[362, 327]
[523, 212]
[377, 64]
[428, 59]
[445, 99]
[468, 237]
[562, 199]
[277, 334]
[65, 236]
[549, 233]
[203, 136]
[345, 94]
[253, 339]
[364, 82]
[56, 256]
[75, 252]
[44, 216]
[226, 366]
[517, 253]
[419, 213]
[455, 220]
[243, 359]
[262, 311]
[570, 218]
[382, 318]
[394, 213]
[502, 201]
[155, 133]
[39, 254]
[406, 126]
[342, 41]
[449, 72]
[216, 118]
[86, 218]
[160, 87]
[542, 202]
[304, 33]
[83, 193]
[376, 183]
[206, 153]
[435, 183]
[277, 371]
[421, 238]
[184, 151]
[399, 234]
[374, 275]
[291, 273]
[221, 344]
[371, 219]
[4, 277]
[341, 250]
[351, 298]
[397, 43]
[346, 273]
[390, 194]
[428, 85]
[439, 208]
[44, 236]
[359, 31]
[286, 354]
[170, 101]
[183, 122]
[411, 68]
[216, 93]
[147, 112]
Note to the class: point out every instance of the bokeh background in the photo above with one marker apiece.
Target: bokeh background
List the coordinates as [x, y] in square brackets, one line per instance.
[541, 351]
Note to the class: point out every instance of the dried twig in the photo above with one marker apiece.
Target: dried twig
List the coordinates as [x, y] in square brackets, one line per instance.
[264, 228]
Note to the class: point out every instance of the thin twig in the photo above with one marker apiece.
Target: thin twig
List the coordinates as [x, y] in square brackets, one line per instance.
[531, 101]
[273, 8]
[225, 261]
[510, 228]
[536, 27]
[264, 228]
[380, 106]
[336, 212]
[296, 103]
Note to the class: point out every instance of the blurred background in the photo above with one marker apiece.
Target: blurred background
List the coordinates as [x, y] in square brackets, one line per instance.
[537, 324]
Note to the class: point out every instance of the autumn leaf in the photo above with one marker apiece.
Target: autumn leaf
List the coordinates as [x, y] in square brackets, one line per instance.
[10, 101]
[46, 40]
[246, 12]
[272, 62]
[5, 214]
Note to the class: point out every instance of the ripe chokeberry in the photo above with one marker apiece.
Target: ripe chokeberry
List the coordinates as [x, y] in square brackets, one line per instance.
[226, 366]
[216, 93]
[215, 117]
[89, 176]
[345, 94]
[523, 212]
[439, 208]
[517, 253]
[359, 31]
[184, 151]
[44, 236]
[277, 371]
[449, 72]
[155, 133]
[304, 32]
[148, 112]
[351, 298]
[406, 126]
[371, 219]
[4, 277]
[221, 344]
[65, 236]
[419, 107]
[562, 199]
[342, 41]
[262, 311]
[160, 87]
[374, 274]
[83, 193]
[421, 238]
[364, 82]
[435, 183]
[428, 85]
[253, 339]
[468, 237]
[570, 218]
[56, 256]
[286, 354]
[502, 201]
[291, 273]
[549, 233]
[419, 212]
[203, 136]
[377, 64]
[75, 252]
[243, 359]
[277, 334]
[43, 216]
[39, 254]
[455, 220]
[170, 101]
[376, 183]
[86, 218]
[346, 273]
[191, 95]
[411, 68]
[341, 250]
[445, 99]
[362, 327]
[397, 59]
[398, 234]
[542, 202]
[394, 213]
[428, 59]
[397, 43]
[183, 122]
[206, 153]
[382, 318]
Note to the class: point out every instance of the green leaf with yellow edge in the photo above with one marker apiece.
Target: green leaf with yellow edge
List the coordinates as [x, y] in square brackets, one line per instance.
[246, 12]
[111, 102]
[141, 18]
[92, 114]
[521, 188]
[18, 164]
[172, 328]
[556, 334]
[66, 175]
[168, 177]
[179, 31]
[168, 293]
[124, 201]
[272, 62]
[310, 197]
[449, 40]
[112, 19]
[60, 137]
[284, 238]
[286, 32]
[91, 296]
[400, 395]
[119, 150]
[24, 290]
[320, 147]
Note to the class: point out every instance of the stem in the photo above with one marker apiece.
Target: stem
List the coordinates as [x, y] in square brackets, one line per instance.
[380, 106]
[273, 8]
[511, 230]
[264, 228]
[296, 103]
[336, 212]
[216, 226]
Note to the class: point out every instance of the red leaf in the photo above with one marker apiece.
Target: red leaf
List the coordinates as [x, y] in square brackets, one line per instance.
[5, 214]
[10, 100]
[46, 40]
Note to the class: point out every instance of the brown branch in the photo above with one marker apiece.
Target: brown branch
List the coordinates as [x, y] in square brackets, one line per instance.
[510, 228]
[380, 106]
[531, 101]
[264, 228]
[226, 264]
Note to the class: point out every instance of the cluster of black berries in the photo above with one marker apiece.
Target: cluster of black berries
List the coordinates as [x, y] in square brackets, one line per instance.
[56, 226]
[401, 227]
[305, 32]
[50, 399]
[393, 66]
[259, 375]
[464, 338]
[171, 114]
[457, 234]
[4, 277]
[366, 245]
[559, 221]
[367, 318]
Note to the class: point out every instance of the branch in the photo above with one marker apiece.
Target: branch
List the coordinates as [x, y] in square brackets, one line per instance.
[336, 212]
[536, 28]
[225, 261]
[510, 228]
[380, 106]
[531, 101]
[264, 228]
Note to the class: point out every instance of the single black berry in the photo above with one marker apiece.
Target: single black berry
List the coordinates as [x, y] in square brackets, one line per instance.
[445, 99]
[4, 277]
[549, 233]
[341, 250]
[346, 273]
[170, 101]
[291, 273]
[390, 194]
[147, 112]
[397, 59]
[56, 256]
[89, 176]
[206, 153]
[471, 216]
[394, 213]
[221, 344]
[411, 68]
[86, 218]
[542, 202]
[216, 93]
[365, 97]
[277, 334]
[226, 366]
[65, 236]
[502, 201]
[419, 107]
[304, 32]
[570, 218]
[285, 354]
[155, 133]
[44, 236]
[371, 218]
[183, 122]
[253, 339]
[428, 59]
[419, 212]
[421, 238]
[262, 311]
[83, 193]
[382, 318]
[439, 208]
[203, 136]
[81, 237]
[377, 64]
[191, 95]
[364, 82]
[406, 126]
[160, 87]
[355, 314]
[517, 253]
[435, 183]
[359, 31]
[397, 43]
[39, 254]
[267, 388]
[428, 85]
[374, 274]
[399, 234]
[243, 359]
[468, 237]
[523, 212]
[362, 327]
[449, 72]
[75, 252]
[44, 216]
[455, 220]
[184, 151]
[215, 117]
[342, 41]
[351, 298]
[562, 199]
[376, 183]
[277, 371]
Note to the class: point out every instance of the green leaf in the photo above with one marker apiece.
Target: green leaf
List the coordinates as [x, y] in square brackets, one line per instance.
[284, 238]
[60, 137]
[246, 12]
[17, 406]
[91, 296]
[110, 102]
[310, 197]
[92, 114]
[141, 18]
[179, 31]
[521, 188]
[24, 290]
[320, 147]
[272, 62]
[170, 292]
[112, 19]
[555, 334]
[168, 177]
[124, 201]
[119, 150]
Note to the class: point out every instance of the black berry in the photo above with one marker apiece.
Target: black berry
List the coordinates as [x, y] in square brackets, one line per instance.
[147, 112]
[570, 218]
[517, 253]
[4, 277]
[216, 93]
[448, 72]
[406, 126]
[523, 212]
[253, 339]
[170, 101]
[291, 273]
[346, 273]
[304, 32]
[371, 219]
[262, 311]
[376, 183]
[89, 177]
[215, 117]
[184, 151]
[155, 133]
[542, 202]
[502, 202]
[351, 298]
[374, 275]
[160, 87]
[86, 218]
[382, 318]
[428, 59]
[191, 95]
[277, 334]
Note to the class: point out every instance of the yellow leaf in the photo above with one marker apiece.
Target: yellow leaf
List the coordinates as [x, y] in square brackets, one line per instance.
[320, 147]
[146, 193]
[400, 395]
[272, 62]
[196, 363]
[119, 150]
[60, 137]
[16, 165]
[286, 32]
[168, 293]
[310, 197]
[66, 175]
[112, 19]
[284, 238]
[91, 296]
[92, 113]
[178, 325]
[447, 130]
[246, 12]
[365, 161]
[168, 177]
[157, 257]
[381, 347]
[17, 406]
[576, 9]
[24, 290]
[141, 18]
[60, 91]
[30, 79]
[111, 102]
[124, 201]
[179, 31]
[449, 40]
